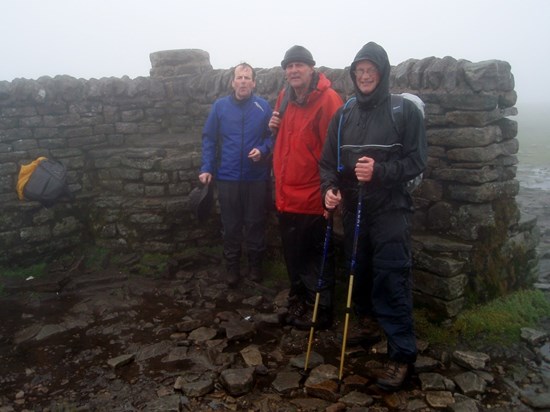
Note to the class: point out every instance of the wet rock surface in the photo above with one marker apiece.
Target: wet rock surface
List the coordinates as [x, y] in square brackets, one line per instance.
[113, 341]
[116, 342]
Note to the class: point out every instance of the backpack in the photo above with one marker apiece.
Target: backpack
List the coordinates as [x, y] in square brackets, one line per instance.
[43, 180]
[398, 125]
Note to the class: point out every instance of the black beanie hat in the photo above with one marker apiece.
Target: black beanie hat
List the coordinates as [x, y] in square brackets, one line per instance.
[298, 54]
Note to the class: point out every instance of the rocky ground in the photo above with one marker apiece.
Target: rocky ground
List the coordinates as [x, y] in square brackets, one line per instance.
[181, 340]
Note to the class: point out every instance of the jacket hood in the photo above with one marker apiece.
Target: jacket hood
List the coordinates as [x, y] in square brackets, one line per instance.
[320, 82]
[377, 55]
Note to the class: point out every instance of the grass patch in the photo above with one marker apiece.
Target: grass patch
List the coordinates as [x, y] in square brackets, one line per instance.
[210, 250]
[276, 274]
[96, 258]
[498, 322]
[435, 334]
[151, 264]
[35, 271]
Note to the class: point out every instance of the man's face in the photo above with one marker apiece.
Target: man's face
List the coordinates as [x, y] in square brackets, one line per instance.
[242, 82]
[367, 76]
[299, 75]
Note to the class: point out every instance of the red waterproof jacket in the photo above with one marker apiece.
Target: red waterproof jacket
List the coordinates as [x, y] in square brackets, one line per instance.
[298, 147]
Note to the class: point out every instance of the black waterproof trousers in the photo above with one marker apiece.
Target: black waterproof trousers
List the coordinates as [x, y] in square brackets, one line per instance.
[243, 209]
[383, 277]
[303, 238]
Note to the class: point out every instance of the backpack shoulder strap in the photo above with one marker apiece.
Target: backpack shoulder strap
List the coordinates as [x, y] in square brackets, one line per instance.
[283, 105]
[397, 112]
[349, 104]
[399, 126]
[284, 102]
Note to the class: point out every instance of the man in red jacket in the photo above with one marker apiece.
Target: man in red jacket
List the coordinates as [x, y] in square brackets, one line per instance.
[300, 122]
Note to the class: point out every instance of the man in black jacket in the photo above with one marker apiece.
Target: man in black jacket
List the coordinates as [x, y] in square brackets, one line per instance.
[366, 155]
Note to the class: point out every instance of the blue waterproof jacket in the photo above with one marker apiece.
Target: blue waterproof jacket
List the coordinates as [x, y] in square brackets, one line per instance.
[233, 128]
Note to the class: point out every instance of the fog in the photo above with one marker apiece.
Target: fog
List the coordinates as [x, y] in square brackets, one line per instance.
[104, 38]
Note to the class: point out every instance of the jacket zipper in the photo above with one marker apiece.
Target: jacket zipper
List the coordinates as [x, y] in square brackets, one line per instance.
[242, 144]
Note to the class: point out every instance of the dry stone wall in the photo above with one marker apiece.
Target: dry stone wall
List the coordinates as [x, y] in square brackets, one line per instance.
[132, 148]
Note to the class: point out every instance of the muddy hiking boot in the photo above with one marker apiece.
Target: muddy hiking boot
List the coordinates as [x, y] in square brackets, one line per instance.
[255, 274]
[304, 321]
[391, 376]
[296, 308]
[232, 276]
[364, 330]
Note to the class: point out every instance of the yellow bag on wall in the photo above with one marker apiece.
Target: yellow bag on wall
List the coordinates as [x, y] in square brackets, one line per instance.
[24, 175]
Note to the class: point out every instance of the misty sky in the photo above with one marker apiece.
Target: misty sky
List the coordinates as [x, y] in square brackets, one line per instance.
[103, 38]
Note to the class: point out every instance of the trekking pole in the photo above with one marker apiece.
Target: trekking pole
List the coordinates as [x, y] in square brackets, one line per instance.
[319, 286]
[350, 287]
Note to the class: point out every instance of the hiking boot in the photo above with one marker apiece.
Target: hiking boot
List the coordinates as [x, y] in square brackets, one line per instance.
[304, 322]
[391, 376]
[296, 308]
[255, 274]
[364, 330]
[233, 276]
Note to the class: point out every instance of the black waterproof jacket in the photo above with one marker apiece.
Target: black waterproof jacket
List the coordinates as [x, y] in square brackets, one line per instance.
[367, 129]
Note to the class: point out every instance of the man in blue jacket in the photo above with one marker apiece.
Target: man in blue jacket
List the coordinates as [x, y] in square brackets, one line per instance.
[236, 142]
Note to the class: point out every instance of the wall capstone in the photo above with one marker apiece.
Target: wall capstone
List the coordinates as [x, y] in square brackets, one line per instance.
[169, 63]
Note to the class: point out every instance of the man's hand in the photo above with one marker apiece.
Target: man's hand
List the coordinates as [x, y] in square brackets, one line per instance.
[364, 169]
[274, 123]
[255, 155]
[332, 199]
[205, 178]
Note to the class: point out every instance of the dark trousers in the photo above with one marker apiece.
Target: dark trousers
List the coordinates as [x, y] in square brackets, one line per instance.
[303, 238]
[383, 277]
[244, 215]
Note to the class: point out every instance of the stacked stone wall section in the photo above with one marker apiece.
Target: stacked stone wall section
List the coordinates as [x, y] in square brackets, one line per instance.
[132, 149]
